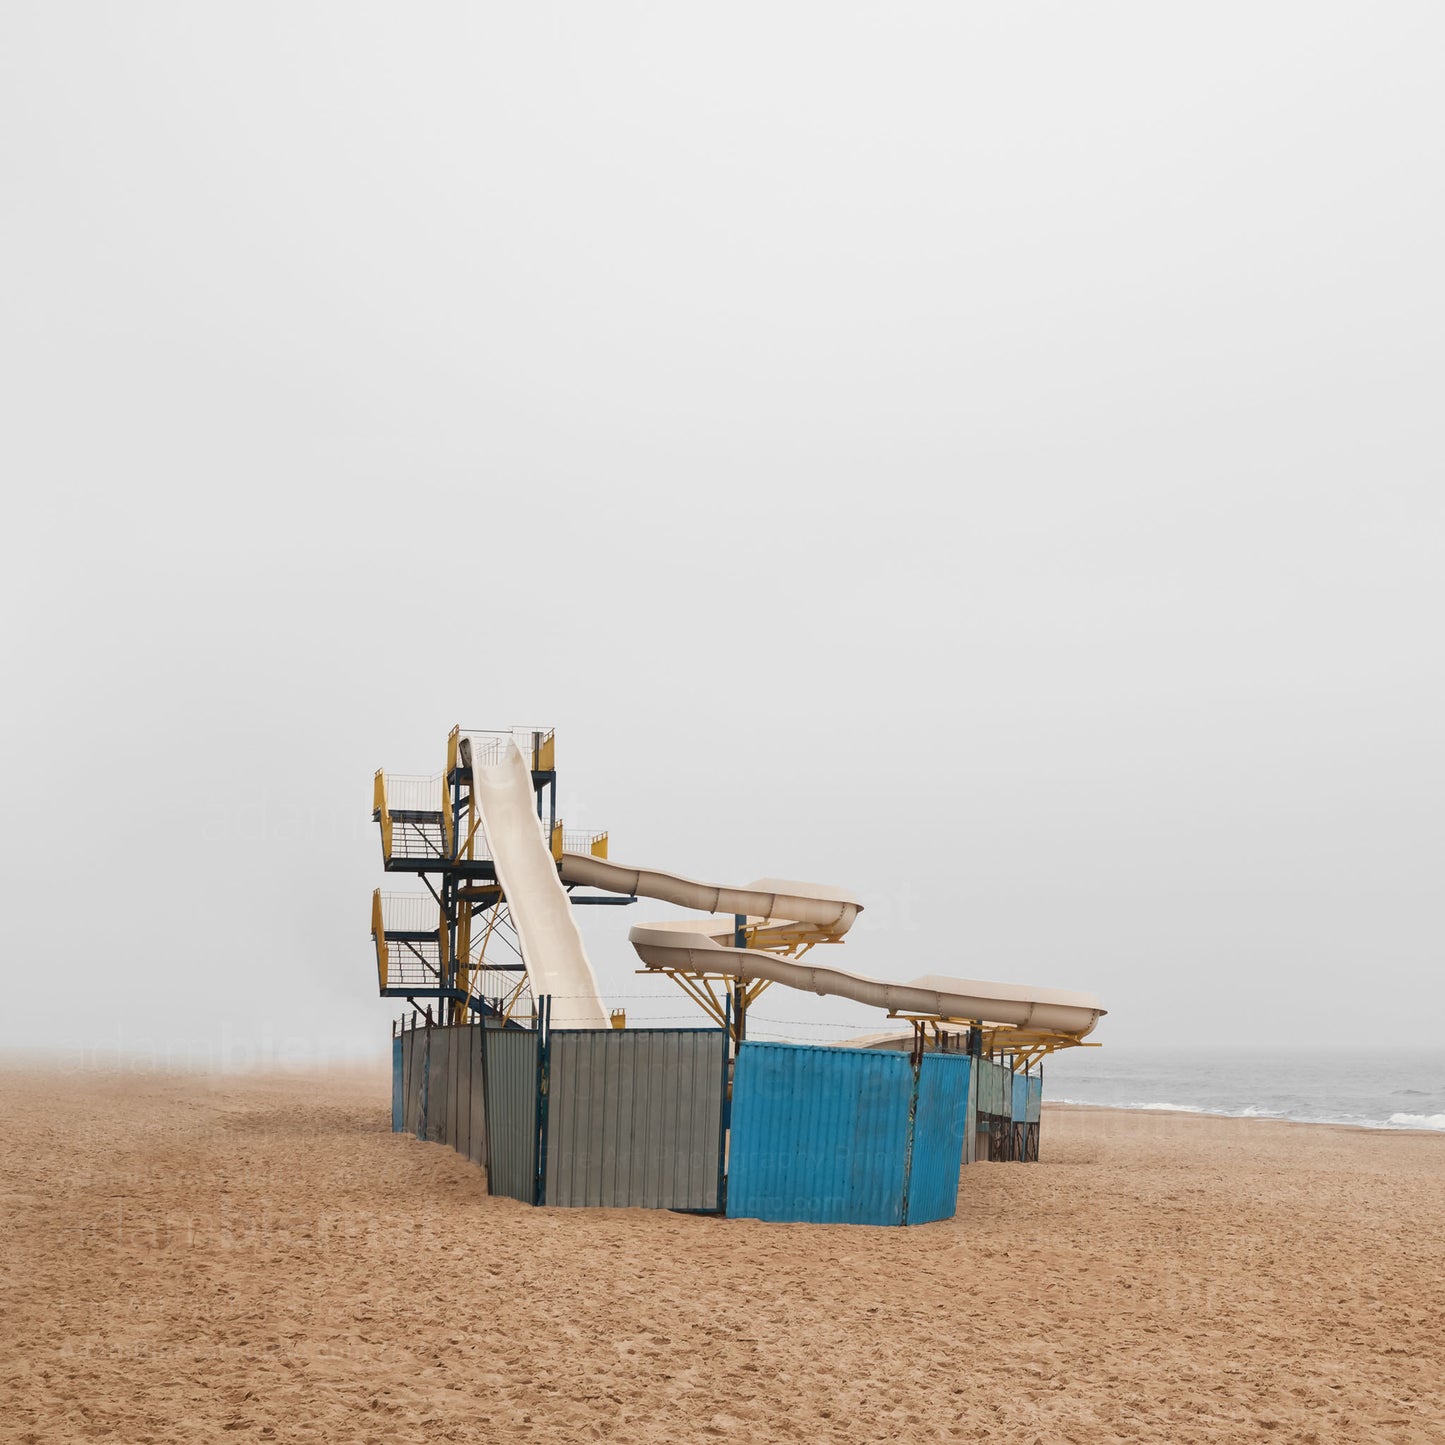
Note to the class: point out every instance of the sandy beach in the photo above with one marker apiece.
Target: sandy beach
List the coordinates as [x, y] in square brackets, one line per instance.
[238, 1257]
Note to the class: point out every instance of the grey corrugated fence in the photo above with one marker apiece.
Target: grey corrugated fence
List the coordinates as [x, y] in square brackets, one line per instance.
[634, 1117]
[512, 1059]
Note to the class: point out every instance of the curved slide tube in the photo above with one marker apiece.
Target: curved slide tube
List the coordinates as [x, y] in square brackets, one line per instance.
[831, 910]
[775, 905]
[1055, 1010]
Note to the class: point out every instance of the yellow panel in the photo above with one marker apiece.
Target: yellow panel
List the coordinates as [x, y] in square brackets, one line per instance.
[598, 847]
[378, 932]
[378, 802]
[546, 759]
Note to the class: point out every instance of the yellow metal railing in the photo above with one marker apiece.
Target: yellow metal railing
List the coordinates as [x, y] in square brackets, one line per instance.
[544, 754]
[378, 932]
[557, 835]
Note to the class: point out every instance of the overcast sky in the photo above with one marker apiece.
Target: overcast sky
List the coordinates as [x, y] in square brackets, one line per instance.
[989, 457]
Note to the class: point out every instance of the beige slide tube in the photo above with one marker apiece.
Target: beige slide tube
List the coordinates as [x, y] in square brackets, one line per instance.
[672, 946]
[775, 904]
[827, 908]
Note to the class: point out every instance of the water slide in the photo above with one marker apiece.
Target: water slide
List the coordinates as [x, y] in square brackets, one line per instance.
[777, 912]
[541, 912]
[684, 945]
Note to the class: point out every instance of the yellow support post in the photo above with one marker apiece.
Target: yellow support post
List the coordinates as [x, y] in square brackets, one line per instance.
[464, 954]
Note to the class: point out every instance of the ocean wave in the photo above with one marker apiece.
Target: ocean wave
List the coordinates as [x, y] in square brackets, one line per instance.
[1162, 1108]
[1417, 1121]
[1254, 1111]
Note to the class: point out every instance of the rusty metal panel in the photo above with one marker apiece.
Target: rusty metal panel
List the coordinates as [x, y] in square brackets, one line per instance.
[985, 1086]
[819, 1134]
[449, 1123]
[462, 1113]
[634, 1117]
[970, 1136]
[995, 1090]
[398, 1094]
[477, 1118]
[512, 1059]
[459, 1100]
[414, 1059]
[438, 1076]
[939, 1117]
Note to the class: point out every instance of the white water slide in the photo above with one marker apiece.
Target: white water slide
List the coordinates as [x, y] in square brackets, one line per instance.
[774, 909]
[557, 963]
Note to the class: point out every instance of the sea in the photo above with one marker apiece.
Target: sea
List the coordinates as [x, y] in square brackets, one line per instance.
[1369, 1088]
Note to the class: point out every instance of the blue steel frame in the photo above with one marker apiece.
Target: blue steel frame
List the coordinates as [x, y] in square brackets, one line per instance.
[544, 1035]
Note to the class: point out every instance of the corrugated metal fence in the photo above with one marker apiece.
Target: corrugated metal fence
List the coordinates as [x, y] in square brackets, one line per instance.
[621, 1117]
[513, 1060]
[845, 1136]
[1019, 1100]
[634, 1117]
[438, 1088]
[638, 1117]
[940, 1119]
[398, 1091]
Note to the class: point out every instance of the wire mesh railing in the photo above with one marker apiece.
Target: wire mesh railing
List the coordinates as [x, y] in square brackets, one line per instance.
[414, 793]
[413, 839]
[489, 745]
[414, 965]
[410, 913]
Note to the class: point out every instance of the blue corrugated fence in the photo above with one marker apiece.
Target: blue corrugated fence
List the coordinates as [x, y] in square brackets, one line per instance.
[938, 1124]
[819, 1134]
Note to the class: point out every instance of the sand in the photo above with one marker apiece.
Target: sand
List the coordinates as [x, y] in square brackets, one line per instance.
[242, 1258]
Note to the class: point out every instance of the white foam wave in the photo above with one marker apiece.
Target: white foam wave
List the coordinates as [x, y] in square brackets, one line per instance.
[1418, 1121]
[1253, 1111]
[1163, 1108]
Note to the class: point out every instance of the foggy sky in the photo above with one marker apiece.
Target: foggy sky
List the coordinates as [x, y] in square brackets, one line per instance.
[988, 457]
